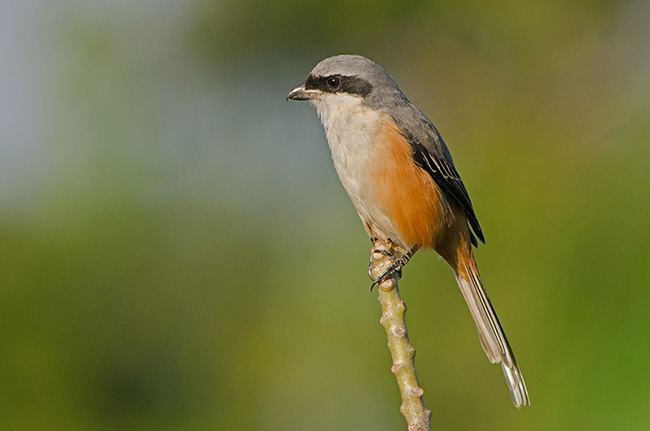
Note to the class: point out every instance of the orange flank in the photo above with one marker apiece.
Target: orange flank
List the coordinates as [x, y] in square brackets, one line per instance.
[408, 195]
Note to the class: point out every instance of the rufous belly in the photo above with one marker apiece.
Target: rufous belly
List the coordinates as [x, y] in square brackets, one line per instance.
[407, 194]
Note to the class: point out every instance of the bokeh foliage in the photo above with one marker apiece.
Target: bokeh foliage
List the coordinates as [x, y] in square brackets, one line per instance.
[176, 251]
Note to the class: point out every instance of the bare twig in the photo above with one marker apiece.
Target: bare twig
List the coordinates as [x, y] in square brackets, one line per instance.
[393, 308]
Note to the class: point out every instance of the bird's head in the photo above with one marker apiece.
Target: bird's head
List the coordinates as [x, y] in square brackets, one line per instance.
[340, 78]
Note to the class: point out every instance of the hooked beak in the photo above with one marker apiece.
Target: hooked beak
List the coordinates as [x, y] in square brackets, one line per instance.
[301, 93]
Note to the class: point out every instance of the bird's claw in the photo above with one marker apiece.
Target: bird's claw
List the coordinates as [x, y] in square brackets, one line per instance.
[392, 270]
[396, 267]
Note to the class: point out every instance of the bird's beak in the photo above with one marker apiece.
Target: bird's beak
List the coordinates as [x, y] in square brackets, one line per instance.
[301, 93]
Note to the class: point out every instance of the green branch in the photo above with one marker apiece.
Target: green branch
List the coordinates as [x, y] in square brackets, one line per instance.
[393, 309]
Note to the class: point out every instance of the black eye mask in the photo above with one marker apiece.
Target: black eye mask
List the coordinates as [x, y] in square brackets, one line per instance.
[339, 84]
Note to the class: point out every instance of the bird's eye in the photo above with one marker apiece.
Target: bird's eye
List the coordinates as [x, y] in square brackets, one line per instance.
[333, 82]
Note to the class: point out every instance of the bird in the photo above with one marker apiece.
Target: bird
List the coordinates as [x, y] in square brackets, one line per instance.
[399, 174]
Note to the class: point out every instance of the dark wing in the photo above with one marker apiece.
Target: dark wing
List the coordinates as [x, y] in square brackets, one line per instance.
[434, 158]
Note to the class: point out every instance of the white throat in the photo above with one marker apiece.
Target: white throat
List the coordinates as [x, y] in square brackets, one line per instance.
[347, 121]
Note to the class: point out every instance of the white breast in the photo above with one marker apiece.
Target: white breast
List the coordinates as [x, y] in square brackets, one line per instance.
[351, 130]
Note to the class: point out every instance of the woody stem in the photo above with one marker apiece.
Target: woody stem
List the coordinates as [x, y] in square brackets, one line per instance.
[393, 308]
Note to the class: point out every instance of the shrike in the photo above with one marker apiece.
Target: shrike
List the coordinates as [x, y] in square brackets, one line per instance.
[401, 179]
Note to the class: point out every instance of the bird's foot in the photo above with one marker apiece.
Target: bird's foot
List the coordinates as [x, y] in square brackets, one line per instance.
[395, 268]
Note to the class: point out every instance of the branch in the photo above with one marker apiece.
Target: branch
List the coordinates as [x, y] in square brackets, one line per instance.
[393, 308]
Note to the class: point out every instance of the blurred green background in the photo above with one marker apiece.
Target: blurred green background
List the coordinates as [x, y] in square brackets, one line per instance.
[176, 252]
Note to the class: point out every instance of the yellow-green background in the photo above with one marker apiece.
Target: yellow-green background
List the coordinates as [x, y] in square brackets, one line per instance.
[176, 252]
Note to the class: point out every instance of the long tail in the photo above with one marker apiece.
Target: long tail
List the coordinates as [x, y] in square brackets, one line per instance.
[490, 332]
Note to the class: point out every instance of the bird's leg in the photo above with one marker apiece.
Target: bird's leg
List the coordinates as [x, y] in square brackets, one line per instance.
[398, 264]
